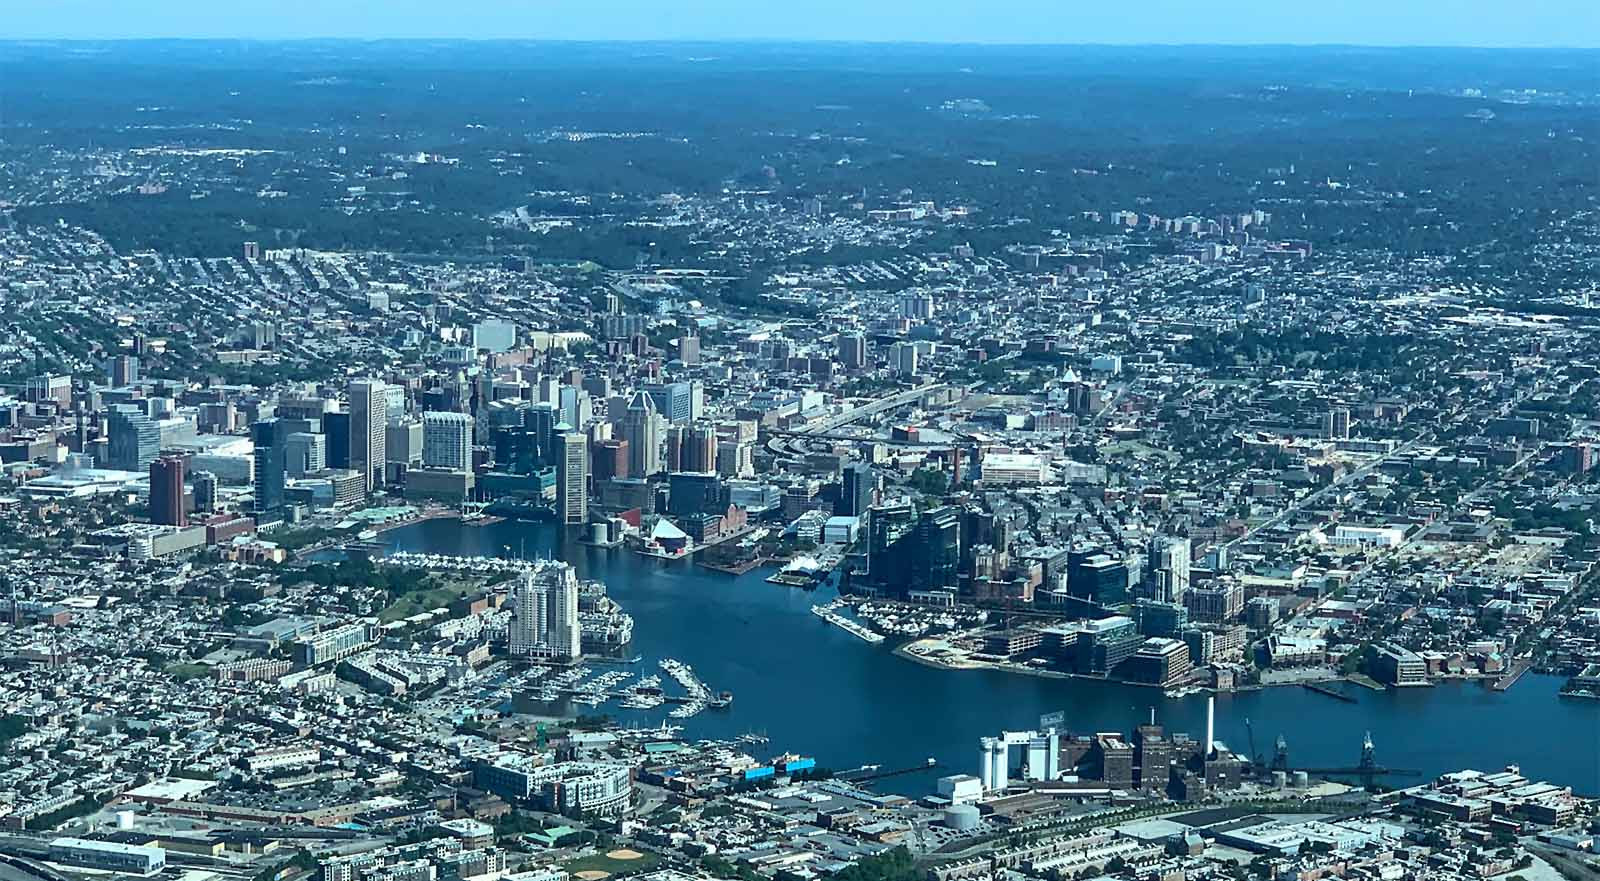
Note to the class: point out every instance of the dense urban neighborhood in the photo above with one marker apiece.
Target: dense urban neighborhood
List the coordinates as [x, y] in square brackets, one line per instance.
[405, 486]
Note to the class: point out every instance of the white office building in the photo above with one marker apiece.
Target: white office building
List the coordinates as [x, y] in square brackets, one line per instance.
[1368, 536]
[447, 441]
[903, 357]
[572, 477]
[369, 421]
[108, 856]
[304, 453]
[1168, 578]
[494, 335]
[1007, 469]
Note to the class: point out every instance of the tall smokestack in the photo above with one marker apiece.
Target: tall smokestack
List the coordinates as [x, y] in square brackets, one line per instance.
[1211, 723]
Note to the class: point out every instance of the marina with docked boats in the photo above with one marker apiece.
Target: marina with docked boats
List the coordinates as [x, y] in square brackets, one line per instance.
[797, 673]
[548, 687]
[876, 621]
[606, 632]
[607, 629]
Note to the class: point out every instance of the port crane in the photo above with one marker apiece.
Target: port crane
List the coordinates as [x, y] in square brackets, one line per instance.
[1368, 769]
[1250, 731]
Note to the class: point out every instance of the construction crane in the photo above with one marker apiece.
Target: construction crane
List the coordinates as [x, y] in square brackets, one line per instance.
[1255, 758]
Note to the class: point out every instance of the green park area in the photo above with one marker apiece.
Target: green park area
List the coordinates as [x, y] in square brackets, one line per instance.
[616, 862]
[418, 601]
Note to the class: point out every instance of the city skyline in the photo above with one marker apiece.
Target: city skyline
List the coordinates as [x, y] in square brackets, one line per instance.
[762, 461]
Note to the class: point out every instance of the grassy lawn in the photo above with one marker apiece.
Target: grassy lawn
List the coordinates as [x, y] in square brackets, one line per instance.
[601, 863]
[295, 539]
[1138, 448]
[185, 672]
[414, 603]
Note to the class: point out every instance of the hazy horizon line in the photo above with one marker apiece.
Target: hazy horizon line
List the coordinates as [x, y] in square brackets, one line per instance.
[794, 41]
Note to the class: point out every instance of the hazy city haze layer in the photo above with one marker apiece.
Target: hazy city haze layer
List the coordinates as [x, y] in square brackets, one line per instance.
[1568, 23]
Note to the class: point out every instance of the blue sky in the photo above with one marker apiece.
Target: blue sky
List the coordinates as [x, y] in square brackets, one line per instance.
[1520, 23]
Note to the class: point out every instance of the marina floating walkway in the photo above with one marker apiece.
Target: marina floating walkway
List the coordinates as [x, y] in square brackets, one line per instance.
[828, 614]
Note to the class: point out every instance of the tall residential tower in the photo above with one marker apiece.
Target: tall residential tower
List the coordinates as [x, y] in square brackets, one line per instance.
[546, 625]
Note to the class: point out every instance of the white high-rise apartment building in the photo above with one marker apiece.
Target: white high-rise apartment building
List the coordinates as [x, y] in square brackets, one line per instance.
[546, 623]
[447, 441]
[369, 421]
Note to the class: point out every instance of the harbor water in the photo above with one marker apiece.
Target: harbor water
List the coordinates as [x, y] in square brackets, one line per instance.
[815, 689]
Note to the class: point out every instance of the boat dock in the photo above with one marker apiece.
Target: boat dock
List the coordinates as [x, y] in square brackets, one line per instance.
[1329, 692]
[868, 773]
[734, 568]
[1518, 667]
[574, 685]
[700, 696]
[828, 614]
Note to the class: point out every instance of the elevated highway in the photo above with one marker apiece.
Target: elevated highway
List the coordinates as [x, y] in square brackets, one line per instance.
[825, 428]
